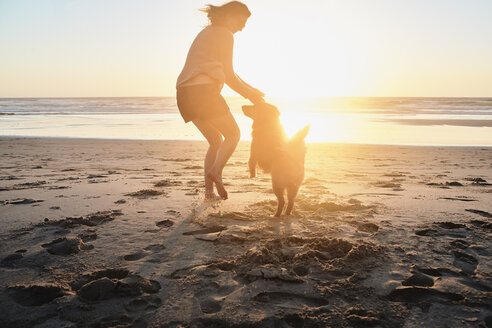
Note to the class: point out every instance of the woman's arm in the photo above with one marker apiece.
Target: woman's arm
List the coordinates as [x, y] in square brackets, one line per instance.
[262, 94]
[231, 78]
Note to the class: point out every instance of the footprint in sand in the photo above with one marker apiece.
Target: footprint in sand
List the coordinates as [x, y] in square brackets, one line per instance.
[290, 299]
[450, 225]
[420, 294]
[210, 306]
[144, 303]
[111, 273]
[367, 227]
[418, 279]
[436, 272]
[35, 295]
[475, 285]
[112, 283]
[93, 219]
[167, 183]
[11, 260]
[135, 256]
[467, 263]
[173, 212]
[165, 223]
[66, 246]
[155, 248]
[427, 232]
[146, 193]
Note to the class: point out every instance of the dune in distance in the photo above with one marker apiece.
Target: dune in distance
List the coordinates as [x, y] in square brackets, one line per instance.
[115, 233]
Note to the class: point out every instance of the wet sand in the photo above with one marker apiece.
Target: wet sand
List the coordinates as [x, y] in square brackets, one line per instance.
[105, 233]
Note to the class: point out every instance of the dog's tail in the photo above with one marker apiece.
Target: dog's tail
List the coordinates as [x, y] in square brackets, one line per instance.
[300, 135]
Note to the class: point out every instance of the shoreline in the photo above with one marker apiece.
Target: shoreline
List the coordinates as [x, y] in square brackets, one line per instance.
[244, 141]
[376, 121]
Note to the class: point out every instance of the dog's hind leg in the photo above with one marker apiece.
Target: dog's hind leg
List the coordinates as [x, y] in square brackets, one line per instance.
[291, 196]
[252, 167]
[279, 192]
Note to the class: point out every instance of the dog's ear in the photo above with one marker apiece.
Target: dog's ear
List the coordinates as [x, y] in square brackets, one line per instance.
[301, 134]
[276, 110]
[249, 111]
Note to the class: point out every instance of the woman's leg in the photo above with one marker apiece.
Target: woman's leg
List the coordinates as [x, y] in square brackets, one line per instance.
[227, 126]
[214, 139]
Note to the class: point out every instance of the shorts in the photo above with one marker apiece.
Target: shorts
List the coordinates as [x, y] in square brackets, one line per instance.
[201, 101]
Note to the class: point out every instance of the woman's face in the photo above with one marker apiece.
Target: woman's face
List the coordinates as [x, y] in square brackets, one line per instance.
[236, 23]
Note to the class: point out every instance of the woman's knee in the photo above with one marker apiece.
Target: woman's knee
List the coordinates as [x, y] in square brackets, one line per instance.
[234, 132]
[234, 135]
[215, 142]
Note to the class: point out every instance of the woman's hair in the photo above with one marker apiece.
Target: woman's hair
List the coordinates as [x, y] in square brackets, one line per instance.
[217, 14]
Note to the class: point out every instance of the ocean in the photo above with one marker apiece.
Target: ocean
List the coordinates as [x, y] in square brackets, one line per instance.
[361, 120]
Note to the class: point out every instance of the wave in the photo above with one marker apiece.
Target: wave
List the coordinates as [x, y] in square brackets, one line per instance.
[333, 105]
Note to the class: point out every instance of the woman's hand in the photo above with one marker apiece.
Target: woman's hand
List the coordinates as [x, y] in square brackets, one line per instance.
[259, 92]
[256, 96]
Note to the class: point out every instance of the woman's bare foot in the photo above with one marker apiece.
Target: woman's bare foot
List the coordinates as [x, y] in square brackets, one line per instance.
[210, 196]
[217, 179]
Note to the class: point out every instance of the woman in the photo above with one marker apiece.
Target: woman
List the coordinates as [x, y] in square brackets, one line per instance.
[208, 66]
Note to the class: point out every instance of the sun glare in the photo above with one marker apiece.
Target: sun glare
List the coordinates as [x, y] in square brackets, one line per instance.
[331, 128]
[298, 63]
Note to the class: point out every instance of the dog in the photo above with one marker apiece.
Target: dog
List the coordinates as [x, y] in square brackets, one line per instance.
[276, 154]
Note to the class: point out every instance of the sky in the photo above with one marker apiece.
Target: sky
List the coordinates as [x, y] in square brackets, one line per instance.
[313, 48]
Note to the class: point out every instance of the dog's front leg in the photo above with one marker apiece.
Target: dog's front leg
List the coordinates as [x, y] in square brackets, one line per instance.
[252, 166]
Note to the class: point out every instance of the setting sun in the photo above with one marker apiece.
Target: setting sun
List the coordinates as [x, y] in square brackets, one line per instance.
[332, 128]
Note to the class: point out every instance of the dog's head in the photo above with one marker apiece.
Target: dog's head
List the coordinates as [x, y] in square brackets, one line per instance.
[263, 112]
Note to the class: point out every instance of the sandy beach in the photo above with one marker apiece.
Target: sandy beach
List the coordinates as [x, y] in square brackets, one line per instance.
[115, 233]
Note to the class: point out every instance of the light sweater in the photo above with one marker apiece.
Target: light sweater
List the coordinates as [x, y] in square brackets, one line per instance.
[205, 61]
